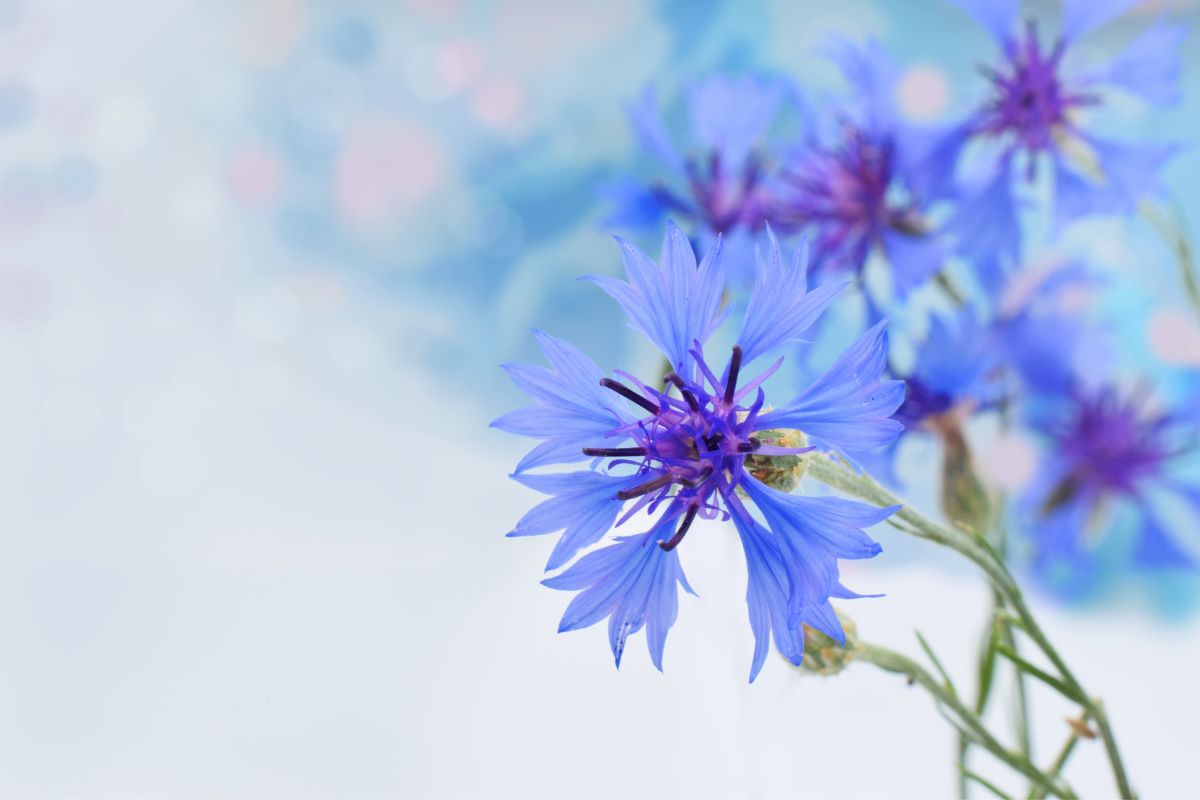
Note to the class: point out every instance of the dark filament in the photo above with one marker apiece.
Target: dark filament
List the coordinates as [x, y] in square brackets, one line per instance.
[614, 452]
[629, 394]
[683, 529]
[735, 364]
[645, 488]
[677, 381]
[748, 446]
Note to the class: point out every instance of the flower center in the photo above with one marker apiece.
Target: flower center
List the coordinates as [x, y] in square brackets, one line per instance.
[722, 199]
[1029, 102]
[691, 446]
[845, 192]
[1110, 445]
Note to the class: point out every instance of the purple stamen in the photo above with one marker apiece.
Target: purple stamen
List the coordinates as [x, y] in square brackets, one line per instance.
[629, 394]
[735, 364]
[614, 452]
[674, 541]
[688, 397]
[658, 482]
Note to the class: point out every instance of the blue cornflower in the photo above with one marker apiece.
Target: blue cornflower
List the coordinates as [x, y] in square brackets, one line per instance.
[716, 178]
[855, 190]
[692, 448]
[956, 372]
[1108, 454]
[1032, 119]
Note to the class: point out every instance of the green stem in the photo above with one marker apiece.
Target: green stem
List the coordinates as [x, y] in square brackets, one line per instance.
[894, 662]
[983, 556]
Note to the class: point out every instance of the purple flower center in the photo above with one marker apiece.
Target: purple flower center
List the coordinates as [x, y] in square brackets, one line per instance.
[720, 198]
[843, 193]
[690, 447]
[1029, 103]
[1110, 445]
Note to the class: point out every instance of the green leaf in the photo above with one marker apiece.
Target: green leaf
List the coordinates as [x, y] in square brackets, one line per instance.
[1043, 676]
[985, 783]
[936, 663]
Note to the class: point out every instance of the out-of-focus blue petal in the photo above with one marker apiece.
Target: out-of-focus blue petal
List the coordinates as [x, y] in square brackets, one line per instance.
[730, 115]
[1155, 549]
[912, 259]
[1132, 167]
[848, 408]
[633, 582]
[1149, 66]
[1081, 17]
[584, 503]
[781, 308]
[928, 159]
[1077, 196]
[673, 304]
[647, 122]
[1060, 562]
[869, 69]
[571, 409]
[985, 223]
[632, 204]
[999, 17]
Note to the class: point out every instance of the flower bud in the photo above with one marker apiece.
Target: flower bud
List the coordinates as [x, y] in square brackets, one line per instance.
[823, 655]
[779, 472]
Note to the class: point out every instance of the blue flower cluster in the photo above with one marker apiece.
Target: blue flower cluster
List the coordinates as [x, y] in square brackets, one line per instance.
[870, 194]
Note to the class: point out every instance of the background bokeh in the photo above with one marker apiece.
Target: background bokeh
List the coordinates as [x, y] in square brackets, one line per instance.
[259, 261]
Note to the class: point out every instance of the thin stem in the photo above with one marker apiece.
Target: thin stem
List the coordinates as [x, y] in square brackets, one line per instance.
[894, 662]
[979, 552]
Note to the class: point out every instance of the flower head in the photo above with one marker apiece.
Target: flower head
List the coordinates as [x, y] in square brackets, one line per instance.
[1107, 451]
[854, 191]
[716, 178]
[1031, 119]
[690, 448]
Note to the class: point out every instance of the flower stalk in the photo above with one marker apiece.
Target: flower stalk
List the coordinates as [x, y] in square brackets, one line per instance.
[977, 549]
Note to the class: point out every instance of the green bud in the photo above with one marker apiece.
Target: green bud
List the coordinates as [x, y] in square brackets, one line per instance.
[823, 655]
[779, 472]
[964, 498]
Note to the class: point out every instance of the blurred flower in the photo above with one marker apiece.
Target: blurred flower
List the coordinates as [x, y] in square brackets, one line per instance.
[1107, 453]
[1033, 120]
[856, 190]
[717, 181]
[687, 452]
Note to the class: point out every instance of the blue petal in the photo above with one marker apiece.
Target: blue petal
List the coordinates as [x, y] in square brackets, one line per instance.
[571, 409]
[912, 259]
[1149, 66]
[781, 308]
[957, 356]
[928, 159]
[632, 205]
[768, 591]
[730, 116]
[1132, 168]
[813, 533]
[648, 126]
[1081, 17]
[584, 503]
[849, 407]
[999, 17]
[673, 304]
[633, 582]
[872, 73]
[1155, 549]
[985, 223]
